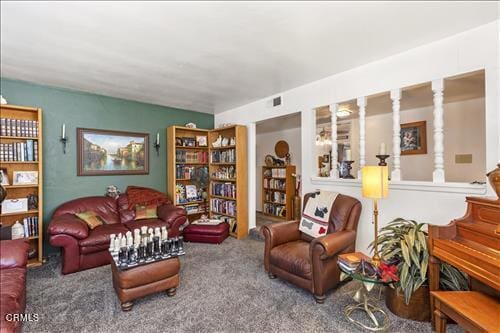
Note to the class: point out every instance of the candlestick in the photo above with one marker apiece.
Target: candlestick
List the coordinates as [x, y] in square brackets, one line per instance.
[63, 138]
[382, 159]
[157, 144]
[381, 150]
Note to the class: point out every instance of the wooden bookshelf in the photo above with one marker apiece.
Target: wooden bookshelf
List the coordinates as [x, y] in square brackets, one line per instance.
[278, 188]
[22, 191]
[174, 179]
[236, 179]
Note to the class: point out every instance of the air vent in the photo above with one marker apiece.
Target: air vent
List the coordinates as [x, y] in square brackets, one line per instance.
[276, 101]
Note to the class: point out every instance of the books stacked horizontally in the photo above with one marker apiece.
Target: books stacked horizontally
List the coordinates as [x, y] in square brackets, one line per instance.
[350, 261]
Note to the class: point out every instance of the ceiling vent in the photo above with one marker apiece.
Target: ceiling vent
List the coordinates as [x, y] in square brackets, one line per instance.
[274, 102]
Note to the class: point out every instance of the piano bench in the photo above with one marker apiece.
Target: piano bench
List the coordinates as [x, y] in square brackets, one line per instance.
[472, 310]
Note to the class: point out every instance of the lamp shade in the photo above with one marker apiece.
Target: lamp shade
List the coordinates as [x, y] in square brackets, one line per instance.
[375, 181]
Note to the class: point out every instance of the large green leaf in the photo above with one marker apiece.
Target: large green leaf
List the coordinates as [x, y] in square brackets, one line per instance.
[405, 252]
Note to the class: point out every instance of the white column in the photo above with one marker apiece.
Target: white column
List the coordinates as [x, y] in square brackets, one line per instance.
[362, 113]
[252, 174]
[396, 132]
[334, 173]
[438, 174]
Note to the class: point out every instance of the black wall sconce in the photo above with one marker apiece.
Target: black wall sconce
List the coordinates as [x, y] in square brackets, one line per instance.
[64, 138]
[157, 144]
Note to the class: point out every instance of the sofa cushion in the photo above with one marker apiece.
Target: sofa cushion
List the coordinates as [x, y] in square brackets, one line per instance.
[14, 253]
[293, 257]
[105, 207]
[12, 296]
[146, 212]
[100, 235]
[91, 218]
[151, 223]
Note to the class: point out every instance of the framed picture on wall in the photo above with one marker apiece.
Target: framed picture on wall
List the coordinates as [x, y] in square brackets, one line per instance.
[105, 152]
[414, 138]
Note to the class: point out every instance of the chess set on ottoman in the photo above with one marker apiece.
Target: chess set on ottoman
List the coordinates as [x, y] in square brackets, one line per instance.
[144, 263]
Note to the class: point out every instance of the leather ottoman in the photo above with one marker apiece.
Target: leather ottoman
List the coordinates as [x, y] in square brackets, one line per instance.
[203, 233]
[145, 280]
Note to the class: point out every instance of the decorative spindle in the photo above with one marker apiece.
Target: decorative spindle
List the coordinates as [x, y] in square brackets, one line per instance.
[334, 173]
[362, 113]
[396, 134]
[438, 174]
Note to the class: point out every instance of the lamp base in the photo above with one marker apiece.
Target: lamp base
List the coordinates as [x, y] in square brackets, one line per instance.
[376, 260]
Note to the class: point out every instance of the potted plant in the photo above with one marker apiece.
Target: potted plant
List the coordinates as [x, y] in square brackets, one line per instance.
[403, 249]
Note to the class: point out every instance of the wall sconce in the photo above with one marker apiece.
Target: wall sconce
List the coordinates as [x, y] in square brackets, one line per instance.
[157, 144]
[64, 138]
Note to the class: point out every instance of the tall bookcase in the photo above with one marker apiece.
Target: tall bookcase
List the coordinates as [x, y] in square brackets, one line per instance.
[23, 133]
[228, 178]
[226, 169]
[278, 188]
[187, 166]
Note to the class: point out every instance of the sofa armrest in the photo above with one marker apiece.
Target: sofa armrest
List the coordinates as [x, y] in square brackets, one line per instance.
[334, 243]
[14, 253]
[176, 217]
[68, 224]
[280, 233]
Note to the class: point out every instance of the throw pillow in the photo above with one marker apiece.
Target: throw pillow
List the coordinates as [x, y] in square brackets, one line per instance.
[144, 196]
[91, 218]
[146, 212]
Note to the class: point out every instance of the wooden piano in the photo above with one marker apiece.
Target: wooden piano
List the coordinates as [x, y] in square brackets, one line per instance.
[471, 244]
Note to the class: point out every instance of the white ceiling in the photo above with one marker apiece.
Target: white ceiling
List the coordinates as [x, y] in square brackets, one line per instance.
[212, 56]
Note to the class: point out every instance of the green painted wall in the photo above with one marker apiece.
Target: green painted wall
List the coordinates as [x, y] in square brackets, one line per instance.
[79, 109]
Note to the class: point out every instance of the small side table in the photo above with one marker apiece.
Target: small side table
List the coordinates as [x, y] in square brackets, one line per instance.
[363, 304]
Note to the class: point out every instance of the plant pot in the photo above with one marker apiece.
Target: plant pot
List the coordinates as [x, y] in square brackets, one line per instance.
[418, 309]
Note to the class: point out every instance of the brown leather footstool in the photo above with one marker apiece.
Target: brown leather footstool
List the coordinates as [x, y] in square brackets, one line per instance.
[145, 280]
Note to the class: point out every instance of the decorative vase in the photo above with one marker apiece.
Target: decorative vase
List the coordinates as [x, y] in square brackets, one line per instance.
[494, 179]
[418, 309]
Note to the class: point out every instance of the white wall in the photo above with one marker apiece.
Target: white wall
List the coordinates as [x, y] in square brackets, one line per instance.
[465, 52]
[265, 146]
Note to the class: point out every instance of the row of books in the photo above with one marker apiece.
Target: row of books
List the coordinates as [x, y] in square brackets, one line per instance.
[275, 172]
[19, 151]
[276, 210]
[224, 190]
[276, 197]
[18, 127]
[30, 225]
[233, 225]
[223, 156]
[225, 173]
[227, 207]
[274, 184]
[189, 172]
[182, 156]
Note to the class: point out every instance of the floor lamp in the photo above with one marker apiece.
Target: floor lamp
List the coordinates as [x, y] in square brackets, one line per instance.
[375, 180]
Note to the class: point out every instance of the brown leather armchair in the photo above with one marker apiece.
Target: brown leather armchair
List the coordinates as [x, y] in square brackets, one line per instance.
[311, 263]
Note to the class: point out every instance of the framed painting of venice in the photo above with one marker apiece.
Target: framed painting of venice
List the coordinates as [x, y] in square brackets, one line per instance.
[103, 152]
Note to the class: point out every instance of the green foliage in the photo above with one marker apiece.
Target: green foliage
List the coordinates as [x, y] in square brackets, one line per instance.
[406, 241]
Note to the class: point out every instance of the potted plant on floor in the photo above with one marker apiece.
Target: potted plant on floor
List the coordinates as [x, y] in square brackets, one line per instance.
[403, 249]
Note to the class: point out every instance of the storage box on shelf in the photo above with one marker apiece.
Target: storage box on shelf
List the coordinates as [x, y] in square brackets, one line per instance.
[21, 151]
[278, 188]
[187, 169]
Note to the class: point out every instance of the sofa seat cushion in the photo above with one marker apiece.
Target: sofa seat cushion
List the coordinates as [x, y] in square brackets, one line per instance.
[99, 236]
[293, 257]
[150, 223]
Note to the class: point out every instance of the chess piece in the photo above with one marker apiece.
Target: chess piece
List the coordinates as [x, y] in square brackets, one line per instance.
[181, 246]
[164, 233]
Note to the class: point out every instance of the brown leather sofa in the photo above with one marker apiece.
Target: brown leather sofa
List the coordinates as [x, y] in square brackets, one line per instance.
[311, 263]
[13, 260]
[84, 248]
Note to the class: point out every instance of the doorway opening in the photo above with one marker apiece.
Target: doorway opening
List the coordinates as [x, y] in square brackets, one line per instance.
[278, 168]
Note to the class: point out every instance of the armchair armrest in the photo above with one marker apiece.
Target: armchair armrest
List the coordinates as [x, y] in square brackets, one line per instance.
[334, 243]
[175, 216]
[14, 253]
[280, 233]
[69, 224]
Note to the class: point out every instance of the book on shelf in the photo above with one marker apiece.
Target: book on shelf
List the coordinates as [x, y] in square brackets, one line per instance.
[183, 156]
[190, 172]
[223, 156]
[26, 151]
[275, 209]
[221, 206]
[30, 225]
[224, 190]
[279, 173]
[274, 184]
[18, 127]
[276, 197]
[191, 192]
